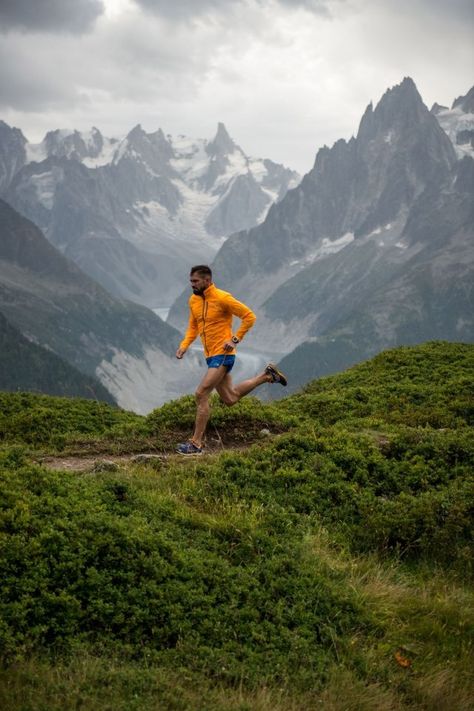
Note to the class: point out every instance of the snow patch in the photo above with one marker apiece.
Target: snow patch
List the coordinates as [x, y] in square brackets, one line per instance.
[191, 161]
[379, 229]
[258, 169]
[162, 312]
[272, 197]
[89, 138]
[237, 165]
[453, 121]
[329, 246]
[272, 194]
[45, 186]
[162, 232]
[120, 151]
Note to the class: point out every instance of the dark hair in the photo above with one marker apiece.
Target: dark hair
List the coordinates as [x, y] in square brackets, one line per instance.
[202, 270]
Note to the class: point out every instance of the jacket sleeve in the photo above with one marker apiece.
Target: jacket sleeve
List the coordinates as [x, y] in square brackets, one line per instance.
[191, 333]
[242, 311]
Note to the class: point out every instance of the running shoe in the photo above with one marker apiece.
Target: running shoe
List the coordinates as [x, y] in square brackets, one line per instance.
[189, 449]
[277, 375]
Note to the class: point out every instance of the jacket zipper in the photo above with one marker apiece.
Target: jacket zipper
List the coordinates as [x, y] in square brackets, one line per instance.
[204, 314]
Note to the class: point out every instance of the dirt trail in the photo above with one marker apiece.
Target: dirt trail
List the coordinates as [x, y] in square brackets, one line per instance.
[84, 464]
[102, 461]
[106, 462]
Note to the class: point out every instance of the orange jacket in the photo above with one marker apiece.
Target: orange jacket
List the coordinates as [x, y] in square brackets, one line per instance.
[211, 317]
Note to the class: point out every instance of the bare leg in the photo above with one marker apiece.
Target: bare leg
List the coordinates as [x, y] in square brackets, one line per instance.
[230, 393]
[221, 380]
[211, 380]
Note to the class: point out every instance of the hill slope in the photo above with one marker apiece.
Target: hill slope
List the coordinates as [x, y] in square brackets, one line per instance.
[327, 567]
[52, 302]
[27, 366]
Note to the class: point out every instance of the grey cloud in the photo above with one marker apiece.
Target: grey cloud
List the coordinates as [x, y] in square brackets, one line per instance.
[454, 10]
[190, 9]
[320, 7]
[184, 9]
[76, 16]
[27, 94]
[37, 86]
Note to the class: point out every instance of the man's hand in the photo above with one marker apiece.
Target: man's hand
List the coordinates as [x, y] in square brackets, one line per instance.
[180, 353]
[228, 346]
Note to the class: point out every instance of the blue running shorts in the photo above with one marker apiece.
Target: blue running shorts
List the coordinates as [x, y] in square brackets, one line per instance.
[222, 359]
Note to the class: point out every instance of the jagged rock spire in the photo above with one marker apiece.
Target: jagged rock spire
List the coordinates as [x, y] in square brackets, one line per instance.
[222, 143]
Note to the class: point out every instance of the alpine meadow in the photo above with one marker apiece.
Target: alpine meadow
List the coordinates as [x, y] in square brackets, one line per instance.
[318, 556]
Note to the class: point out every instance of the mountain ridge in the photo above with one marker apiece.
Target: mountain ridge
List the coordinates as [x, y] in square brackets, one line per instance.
[173, 199]
[26, 366]
[391, 210]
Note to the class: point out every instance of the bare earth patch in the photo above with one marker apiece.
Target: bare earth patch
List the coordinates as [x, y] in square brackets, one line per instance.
[109, 463]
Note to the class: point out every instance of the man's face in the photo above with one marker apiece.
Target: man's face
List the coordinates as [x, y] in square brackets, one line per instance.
[199, 283]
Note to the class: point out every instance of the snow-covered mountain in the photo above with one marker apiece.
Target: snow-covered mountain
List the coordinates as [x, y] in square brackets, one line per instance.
[135, 213]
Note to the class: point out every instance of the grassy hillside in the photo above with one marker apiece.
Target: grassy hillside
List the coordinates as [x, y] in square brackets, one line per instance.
[325, 565]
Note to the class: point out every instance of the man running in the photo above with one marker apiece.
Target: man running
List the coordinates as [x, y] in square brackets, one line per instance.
[211, 311]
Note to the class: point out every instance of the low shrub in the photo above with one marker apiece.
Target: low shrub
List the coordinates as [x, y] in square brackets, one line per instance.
[42, 419]
[94, 560]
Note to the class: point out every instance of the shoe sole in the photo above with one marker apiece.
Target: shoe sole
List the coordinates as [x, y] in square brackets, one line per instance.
[273, 369]
[190, 454]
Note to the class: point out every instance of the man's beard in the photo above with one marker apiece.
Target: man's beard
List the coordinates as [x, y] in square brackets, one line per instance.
[198, 292]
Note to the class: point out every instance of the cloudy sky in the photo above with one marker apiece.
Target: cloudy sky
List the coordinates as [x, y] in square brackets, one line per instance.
[285, 76]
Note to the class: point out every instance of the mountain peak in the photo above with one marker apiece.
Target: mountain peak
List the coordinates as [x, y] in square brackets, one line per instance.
[401, 95]
[11, 132]
[437, 108]
[12, 153]
[56, 135]
[222, 144]
[6, 127]
[466, 103]
[137, 140]
[161, 144]
[401, 105]
[136, 132]
[407, 84]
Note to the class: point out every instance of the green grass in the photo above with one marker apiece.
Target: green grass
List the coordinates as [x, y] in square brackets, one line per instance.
[294, 571]
[49, 422]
